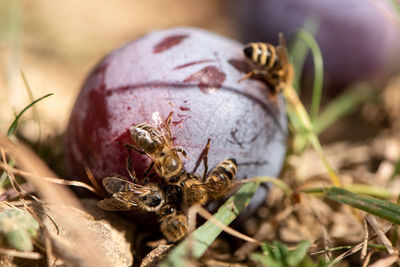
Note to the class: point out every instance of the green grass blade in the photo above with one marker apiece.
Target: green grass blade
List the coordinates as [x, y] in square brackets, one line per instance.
[318, 71]
[298, 255]
[342, 105]
[14, 124]
[369, 190]
[395, 6]
[381, 208]
[4, 179]
[298, 50]
[36, 116]
[396, 170]
[302, 115]
[208, 232]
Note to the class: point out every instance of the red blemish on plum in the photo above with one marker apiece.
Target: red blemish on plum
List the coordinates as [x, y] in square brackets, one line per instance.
[169, 42]
[193, 63]
[99, 119]
[184, 108]
[209, 79]
[124, 138]
[240, 65]
[101, 68]
[177, 122]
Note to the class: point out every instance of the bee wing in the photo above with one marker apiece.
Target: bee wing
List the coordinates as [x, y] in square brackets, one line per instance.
[113, 204]
[114, 184]
[119, 185]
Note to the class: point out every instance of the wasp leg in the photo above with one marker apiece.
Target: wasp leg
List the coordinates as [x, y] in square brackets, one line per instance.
[252, 73]
[203, 157]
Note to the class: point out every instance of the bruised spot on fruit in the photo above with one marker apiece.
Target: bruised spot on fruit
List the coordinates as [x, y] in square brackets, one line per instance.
[184, 108]
[209, 79]
[96, 101]
[193, 63]
[169, 42]
[241, 65]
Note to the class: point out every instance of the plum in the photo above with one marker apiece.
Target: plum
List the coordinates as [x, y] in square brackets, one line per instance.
[194, 74]
[357, 41]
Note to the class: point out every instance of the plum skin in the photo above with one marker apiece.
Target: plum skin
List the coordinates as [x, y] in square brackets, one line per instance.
[194, 74]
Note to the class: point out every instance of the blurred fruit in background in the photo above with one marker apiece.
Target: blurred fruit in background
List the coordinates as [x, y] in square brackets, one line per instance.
[359, 39]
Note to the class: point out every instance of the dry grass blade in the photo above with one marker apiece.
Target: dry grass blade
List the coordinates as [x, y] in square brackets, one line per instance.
[367, 258]
[365, 244]
[20, 254]
[386, 262]
[17, 188]
[86, 250]
[49, 179]
[208, 216]
[354, 249]
[381, 236]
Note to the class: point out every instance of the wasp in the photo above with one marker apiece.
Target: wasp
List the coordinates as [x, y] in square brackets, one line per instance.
[159, 148]
[272, 62]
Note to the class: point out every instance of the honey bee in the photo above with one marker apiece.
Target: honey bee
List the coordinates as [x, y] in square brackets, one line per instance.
[126, 195]
[159, 148]
[173, 223]
[274, 67]
[220, 178]
[215, 185]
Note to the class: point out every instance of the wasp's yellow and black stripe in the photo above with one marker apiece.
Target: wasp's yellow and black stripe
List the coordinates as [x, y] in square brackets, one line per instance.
[262, 54]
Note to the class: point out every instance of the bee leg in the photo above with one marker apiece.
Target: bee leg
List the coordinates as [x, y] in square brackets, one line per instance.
[146, 180]
[180, 150]
[203, 157]
[147, 171]
[93, 180]
[130, 170]
[138, 150]
[167, 124]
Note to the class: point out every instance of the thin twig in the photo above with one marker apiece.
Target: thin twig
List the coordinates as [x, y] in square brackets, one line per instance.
[367, 258]
[354, 249]
[59, 181]
[20, 254]
[208, 216]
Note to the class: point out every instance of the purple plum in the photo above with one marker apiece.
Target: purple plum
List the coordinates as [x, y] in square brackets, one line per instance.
[194, 74]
